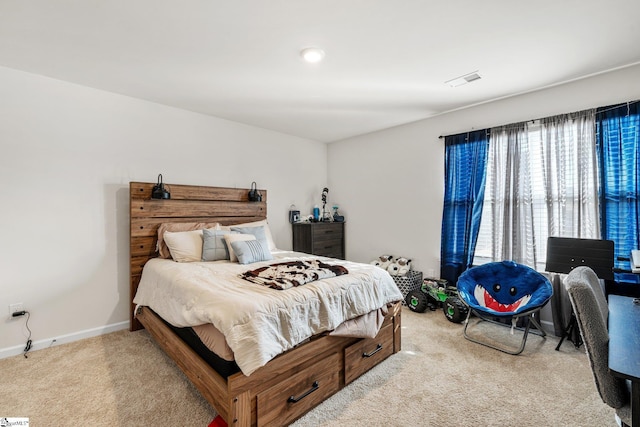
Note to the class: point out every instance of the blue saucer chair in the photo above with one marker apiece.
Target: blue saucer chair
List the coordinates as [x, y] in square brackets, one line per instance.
[504, 290]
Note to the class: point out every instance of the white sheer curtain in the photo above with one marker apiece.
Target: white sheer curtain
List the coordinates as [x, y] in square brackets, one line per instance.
[569, 167]
[541, 182]
[508, 208]
[570, 174]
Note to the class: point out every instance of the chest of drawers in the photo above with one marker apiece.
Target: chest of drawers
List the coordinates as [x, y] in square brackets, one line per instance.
[320, 238]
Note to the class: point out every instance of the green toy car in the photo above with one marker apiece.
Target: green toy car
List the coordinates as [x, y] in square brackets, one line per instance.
[434, 293]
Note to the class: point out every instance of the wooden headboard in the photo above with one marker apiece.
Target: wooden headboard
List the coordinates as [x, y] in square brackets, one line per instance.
[188, 203]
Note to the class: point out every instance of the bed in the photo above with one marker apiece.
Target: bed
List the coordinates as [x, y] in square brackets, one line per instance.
[272, 391]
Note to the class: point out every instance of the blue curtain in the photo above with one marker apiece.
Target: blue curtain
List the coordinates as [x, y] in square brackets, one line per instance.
[618, 148]
[465, 167]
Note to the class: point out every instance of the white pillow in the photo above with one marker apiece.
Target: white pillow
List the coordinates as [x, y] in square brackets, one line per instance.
[267, 231]
[230, 238]
[175, 227]
[185, 246]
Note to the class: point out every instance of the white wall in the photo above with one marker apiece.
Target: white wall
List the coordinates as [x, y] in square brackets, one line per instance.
[67, 155]
[390, 184]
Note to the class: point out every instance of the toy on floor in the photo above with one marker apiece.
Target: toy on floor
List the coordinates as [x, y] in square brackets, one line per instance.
[218, 422]
[400, 267]
[383, 261]
[434, 293]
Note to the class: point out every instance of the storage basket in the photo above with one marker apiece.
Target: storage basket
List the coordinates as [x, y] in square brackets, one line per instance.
[408, 283]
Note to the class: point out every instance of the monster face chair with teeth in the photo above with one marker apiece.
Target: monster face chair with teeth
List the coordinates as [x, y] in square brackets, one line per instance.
[506, 290]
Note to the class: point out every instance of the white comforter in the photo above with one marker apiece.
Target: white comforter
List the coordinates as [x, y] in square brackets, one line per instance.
[259, 322]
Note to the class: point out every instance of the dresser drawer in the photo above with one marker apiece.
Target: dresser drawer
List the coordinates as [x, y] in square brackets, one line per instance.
[327, 231]
[366, 353]
[327, 247]
[288, 400]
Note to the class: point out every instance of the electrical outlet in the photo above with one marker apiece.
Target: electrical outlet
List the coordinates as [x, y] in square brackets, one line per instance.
[14, 308]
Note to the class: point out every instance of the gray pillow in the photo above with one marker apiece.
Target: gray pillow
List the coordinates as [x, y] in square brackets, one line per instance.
[251, 251]
[214, 248]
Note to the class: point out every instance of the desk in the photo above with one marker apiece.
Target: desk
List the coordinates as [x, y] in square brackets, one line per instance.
[624, 347]
[624, 283]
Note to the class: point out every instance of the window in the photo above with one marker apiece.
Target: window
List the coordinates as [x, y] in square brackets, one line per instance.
[541, 181]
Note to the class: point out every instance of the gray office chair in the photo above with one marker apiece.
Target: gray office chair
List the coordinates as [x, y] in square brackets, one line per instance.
[591, 311]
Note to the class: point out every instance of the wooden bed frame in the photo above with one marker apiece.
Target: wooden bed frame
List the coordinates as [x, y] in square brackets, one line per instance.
[289, 385]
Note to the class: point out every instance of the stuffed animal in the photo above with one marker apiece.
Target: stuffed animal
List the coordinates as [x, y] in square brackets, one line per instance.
[405, 266]
[393, 268]
[400, 267]
[382, 261]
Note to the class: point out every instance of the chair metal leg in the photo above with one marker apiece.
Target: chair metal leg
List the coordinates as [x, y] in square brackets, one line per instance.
[569, 331]
[532, 318]
[529, 320]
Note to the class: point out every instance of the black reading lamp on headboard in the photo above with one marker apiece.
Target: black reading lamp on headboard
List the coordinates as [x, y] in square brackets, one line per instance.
[254, 194]
[158, 191]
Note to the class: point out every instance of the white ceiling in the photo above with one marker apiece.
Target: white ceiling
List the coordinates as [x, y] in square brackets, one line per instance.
[386, 60]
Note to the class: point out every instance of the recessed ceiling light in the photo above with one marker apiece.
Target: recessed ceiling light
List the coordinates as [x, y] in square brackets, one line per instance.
[462, 80]
[312, 54]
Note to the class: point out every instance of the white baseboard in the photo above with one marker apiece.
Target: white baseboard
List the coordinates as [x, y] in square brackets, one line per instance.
[53, 341]
[548, 326]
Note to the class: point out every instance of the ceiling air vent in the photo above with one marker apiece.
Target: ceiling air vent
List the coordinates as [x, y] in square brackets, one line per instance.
[467, 78]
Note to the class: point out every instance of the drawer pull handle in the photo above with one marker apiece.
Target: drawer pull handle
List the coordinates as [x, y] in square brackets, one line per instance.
[314, 387]
[378, 348]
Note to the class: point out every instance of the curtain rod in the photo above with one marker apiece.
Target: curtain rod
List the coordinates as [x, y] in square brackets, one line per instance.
[598, 111]
[487, 130]
[613, 107]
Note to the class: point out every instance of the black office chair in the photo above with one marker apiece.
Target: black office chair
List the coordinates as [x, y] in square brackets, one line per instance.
[563, 255]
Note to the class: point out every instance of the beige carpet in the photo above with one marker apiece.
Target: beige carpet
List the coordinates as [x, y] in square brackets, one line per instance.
[439, 379]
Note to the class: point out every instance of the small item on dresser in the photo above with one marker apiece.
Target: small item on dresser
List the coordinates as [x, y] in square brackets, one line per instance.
[294, 214]
[326, 216]
[316, 213]
[337, 217]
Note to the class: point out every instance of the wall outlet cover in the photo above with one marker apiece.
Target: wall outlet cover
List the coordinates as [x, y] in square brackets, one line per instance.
[14, 308]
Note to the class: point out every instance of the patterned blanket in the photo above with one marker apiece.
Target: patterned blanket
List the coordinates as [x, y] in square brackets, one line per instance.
[287, 275]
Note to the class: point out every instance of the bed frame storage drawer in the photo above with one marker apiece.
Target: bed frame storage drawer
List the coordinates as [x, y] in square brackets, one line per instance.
[296, 395]
[366, 353]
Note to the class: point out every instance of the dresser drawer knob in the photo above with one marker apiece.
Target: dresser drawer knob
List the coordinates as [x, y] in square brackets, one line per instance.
[378, 348]
[314, 387]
